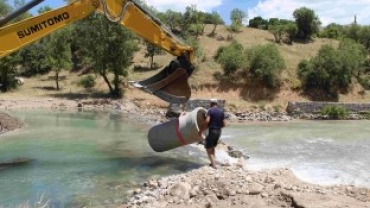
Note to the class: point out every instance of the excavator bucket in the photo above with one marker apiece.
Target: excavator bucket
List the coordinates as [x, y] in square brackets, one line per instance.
[171, 83]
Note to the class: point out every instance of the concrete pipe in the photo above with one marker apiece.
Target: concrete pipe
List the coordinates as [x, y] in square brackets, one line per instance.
[177, 132]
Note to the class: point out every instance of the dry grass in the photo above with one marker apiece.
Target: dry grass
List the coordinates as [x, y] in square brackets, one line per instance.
[204, 81]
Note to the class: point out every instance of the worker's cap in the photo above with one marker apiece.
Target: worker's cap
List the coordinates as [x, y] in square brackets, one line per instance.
[213, 100]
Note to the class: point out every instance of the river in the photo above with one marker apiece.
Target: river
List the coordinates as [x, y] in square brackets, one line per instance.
[94, 158]
[320, 152]
[81, 159]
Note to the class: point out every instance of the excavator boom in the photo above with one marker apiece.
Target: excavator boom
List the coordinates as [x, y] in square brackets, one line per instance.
[170, 84]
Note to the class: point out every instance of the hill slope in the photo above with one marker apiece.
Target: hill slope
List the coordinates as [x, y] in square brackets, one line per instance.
[204, 81]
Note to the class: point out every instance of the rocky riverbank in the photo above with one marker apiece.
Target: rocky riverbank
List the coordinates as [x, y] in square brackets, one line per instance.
[236, 186]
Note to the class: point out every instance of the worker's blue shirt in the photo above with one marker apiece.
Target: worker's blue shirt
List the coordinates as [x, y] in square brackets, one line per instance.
[216, 118]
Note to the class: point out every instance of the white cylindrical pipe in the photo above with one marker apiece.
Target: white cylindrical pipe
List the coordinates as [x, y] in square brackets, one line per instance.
[177, 132]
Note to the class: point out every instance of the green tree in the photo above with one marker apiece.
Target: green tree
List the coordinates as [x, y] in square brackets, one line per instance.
[8, 68]
[272, 21]
[332, 69]
[277, 31]
[33, 56]
[353, 57]
[113, 51]
[259, 22]
[333, 30]
[353, 32]
[307, 22]
[198, 50]
[5, 8]
[266, 63]
[231, 57]
[172, 19]
[237, 16]
[25, 15]
[151, 51]
[364, 36]
[59, 54]
[291, 30]
[215, 19]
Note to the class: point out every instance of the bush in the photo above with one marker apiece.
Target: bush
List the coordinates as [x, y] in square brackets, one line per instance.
[198, 50]
[87, 81]
[334, 112]
[266, 64]
[364, 82]
[231, 57]
[331, 68]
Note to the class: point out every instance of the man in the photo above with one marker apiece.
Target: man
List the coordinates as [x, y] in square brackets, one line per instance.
[215, 121]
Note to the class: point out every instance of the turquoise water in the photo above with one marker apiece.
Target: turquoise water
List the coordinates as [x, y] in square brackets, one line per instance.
[93, 158]
[81, 159]
[320, 152]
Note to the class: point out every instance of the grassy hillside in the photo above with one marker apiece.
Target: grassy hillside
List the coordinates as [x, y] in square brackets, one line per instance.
[205, 81]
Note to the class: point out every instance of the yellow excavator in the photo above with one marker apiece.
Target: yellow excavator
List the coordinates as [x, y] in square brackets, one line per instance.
[170, 84]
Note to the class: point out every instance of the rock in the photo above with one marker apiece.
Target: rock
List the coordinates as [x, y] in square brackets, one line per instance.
[264, 194]
[232, 117]
[255, 189]
[232, 192]
[162, 185]
[269, 179]
[208, 205]
[153, 184]
[277, 186]
[194, 191]
[181, 190]
[249, 179]
[20, 80]
[235, 154]
[137, 191]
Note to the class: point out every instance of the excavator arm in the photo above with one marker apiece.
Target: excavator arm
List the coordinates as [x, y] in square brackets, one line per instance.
[170, 84]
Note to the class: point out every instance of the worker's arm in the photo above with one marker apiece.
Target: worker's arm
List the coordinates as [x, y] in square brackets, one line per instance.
[204, 127]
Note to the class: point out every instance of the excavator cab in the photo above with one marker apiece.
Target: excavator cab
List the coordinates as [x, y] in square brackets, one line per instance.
[171, 83]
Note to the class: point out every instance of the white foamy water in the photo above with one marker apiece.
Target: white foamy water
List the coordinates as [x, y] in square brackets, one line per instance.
[319, 152]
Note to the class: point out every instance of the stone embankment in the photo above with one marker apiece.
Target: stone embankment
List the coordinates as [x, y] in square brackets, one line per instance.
[312, 110]
[235, 186]
[176, 109]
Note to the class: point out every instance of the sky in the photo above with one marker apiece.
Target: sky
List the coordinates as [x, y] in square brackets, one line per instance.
[328, 11]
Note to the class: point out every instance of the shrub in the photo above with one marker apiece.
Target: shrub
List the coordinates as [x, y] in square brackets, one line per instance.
[266, 64]
[332, 68]
[87, 81]
[334, 112]
[277, 31]
[198, 50]
[364, 82]
[231, 57]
